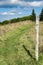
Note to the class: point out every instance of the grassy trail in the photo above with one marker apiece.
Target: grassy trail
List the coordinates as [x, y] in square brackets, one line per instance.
[12, 51]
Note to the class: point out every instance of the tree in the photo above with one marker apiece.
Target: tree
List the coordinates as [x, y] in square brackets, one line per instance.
[33, 16]
[41, 15]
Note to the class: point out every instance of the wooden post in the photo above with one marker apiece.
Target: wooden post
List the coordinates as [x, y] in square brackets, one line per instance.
[37, 37]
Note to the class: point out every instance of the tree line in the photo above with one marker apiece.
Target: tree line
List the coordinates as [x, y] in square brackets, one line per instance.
[31, 17]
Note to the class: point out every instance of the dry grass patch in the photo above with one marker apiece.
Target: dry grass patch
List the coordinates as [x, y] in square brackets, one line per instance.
[13, 26]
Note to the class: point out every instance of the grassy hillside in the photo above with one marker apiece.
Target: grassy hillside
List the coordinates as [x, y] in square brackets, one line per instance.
[17, 44]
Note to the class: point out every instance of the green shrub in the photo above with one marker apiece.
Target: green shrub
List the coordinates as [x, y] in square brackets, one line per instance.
[5, 22]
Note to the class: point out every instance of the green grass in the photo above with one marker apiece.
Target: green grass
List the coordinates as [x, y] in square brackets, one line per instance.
[12, 51]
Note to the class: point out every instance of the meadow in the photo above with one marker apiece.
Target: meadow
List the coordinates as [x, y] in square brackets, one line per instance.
[17, 43]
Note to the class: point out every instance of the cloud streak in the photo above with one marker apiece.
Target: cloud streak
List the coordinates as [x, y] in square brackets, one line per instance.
[11, 12]
[35, 3]
[20, 3]
[7, 13]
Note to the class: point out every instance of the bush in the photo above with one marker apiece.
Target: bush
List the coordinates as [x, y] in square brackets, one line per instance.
[5, 22]
[20, 19]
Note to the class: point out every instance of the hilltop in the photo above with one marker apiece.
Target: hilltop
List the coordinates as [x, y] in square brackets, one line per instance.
[17, 44]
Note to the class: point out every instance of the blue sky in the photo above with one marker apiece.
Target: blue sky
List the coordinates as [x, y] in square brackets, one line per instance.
[18, 8]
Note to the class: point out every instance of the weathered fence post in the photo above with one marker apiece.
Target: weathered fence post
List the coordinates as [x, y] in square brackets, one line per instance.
[37, 38]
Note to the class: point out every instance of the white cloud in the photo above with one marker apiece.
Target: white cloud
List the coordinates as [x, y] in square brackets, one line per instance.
[14, 1]
[22, 3]
[20, 13]
[6, 13]
[11, 13]
[35, 3]
[9, 2]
